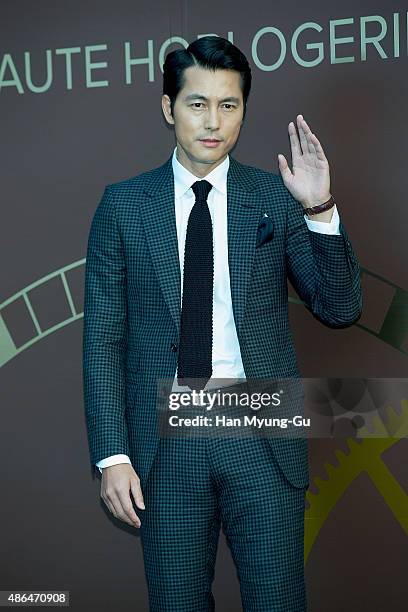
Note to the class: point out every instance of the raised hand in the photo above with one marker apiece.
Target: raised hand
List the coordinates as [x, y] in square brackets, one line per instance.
[309, 181]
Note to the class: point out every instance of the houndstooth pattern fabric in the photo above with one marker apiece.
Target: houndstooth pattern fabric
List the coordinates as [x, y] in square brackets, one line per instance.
[132, 302]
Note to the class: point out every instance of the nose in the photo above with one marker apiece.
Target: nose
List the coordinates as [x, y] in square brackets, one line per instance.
[212, 120]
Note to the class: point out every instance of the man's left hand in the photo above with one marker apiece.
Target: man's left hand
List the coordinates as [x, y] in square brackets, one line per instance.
[309, 182]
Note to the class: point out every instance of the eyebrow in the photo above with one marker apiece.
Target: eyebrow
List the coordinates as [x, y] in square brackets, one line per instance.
[196, 96]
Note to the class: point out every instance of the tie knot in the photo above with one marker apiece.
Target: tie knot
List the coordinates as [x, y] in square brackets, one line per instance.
[201, 190]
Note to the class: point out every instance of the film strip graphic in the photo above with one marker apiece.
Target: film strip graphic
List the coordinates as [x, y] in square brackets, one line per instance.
[24, 317]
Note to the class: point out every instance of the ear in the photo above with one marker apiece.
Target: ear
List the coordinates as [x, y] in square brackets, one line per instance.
[166, 107]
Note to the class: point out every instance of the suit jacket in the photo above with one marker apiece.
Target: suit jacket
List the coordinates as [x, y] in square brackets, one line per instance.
[132, 301]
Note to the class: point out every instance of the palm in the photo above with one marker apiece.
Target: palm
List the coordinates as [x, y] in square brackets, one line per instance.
[309, 181]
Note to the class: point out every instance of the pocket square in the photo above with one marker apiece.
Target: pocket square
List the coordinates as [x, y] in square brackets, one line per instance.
[265, 231]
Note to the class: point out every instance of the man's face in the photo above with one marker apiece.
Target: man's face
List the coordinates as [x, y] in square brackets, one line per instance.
[209, 106]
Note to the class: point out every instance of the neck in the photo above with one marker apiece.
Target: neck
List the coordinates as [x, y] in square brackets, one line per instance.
[199, 169]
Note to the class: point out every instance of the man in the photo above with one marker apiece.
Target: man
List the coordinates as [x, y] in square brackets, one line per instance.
[186, 278]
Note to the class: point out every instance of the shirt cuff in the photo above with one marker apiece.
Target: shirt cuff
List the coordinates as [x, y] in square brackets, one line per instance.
[112, 460]
[325, 228]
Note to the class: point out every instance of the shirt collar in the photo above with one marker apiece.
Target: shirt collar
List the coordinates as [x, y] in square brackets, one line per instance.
[183, 178]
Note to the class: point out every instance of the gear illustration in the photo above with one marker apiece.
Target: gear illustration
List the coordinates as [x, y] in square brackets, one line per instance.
[364, 455]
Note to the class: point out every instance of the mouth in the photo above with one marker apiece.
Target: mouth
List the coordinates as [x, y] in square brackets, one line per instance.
[210, 142]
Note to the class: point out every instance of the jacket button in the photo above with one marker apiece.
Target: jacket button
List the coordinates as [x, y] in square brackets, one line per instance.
[173, 347]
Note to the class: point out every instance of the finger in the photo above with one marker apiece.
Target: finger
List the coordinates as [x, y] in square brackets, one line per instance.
[310, 146]
[137, 493]
[308, 134]
[127, 510]
[314, 145]
[302, 135]
[111, 503]
[284, 169]
[294, 141]
[318, 148]
[108, 504]
[118, 509]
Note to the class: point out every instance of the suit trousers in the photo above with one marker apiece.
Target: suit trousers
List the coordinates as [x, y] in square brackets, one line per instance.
[198, 485]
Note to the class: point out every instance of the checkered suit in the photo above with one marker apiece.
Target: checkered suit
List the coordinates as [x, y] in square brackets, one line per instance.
[194, 487]
[132, 301]
[253, 487]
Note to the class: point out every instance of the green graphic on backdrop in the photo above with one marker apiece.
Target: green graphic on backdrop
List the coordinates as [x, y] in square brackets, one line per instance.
[8, 346]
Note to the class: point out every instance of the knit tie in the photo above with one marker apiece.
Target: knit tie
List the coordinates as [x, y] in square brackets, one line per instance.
[194, 366]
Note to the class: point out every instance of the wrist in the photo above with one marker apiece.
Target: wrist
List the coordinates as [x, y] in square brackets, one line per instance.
[325, 216]
[320, 211]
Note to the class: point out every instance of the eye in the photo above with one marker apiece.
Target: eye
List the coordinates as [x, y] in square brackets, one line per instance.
[230, 105]
[195, 103]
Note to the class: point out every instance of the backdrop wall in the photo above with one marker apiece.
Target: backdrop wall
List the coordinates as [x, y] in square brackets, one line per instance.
[80, 90]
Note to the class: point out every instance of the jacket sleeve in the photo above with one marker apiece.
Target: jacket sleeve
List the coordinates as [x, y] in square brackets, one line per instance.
[323, 269]
[105, 335]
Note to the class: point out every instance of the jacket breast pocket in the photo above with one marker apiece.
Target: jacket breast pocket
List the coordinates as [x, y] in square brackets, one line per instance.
[265, 232]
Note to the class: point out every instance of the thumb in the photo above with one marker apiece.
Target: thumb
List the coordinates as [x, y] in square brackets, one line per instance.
[284, 169]
[137, 493]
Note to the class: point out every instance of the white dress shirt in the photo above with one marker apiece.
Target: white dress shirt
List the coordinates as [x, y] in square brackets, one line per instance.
[226, 355]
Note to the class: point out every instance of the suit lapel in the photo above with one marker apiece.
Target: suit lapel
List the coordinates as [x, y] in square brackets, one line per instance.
[243, 209]
[159, 220]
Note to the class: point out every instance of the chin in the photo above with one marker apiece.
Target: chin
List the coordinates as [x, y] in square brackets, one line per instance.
[207, 155]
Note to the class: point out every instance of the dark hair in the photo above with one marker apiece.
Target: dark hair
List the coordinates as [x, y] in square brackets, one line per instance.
[212, 52]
